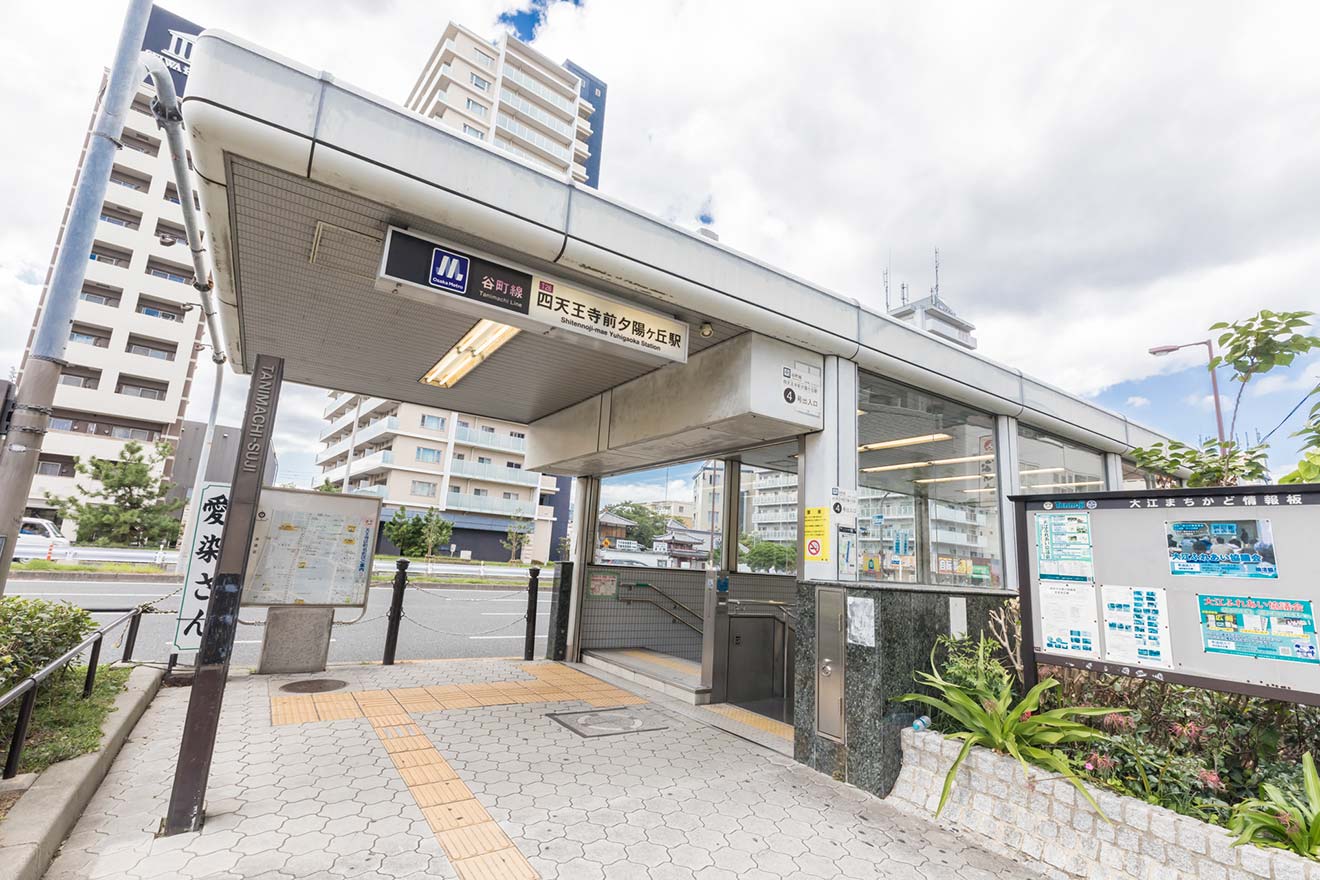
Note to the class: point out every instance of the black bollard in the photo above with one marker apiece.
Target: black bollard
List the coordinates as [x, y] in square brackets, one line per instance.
[529, 646]
[396, 611]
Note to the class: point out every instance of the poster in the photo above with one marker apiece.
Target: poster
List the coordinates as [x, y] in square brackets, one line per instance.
[1235, 548]
[861, 621]
[311, 548]
[815, 534]
[1136, 621]
[603, 586]
[203, 549]
[1270, 629]
[1063, 547]
[1068, 620]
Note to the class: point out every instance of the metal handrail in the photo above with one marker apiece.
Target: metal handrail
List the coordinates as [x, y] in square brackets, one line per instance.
[696, 629]
[27, 688]
[667, 597]
[782, 609]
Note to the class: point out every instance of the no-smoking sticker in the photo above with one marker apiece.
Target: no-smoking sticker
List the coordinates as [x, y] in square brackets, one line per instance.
[813, 547]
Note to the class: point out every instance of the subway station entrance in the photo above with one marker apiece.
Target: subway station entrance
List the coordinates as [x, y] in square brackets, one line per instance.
[360, 247]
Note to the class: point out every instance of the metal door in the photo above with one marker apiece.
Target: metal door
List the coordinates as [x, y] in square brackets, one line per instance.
[751, 658]
[830, 630]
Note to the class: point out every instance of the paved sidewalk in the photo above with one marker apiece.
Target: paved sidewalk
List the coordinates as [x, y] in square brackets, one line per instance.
[452, 769]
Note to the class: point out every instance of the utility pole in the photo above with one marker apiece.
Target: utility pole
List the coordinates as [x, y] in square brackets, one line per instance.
[41, 373]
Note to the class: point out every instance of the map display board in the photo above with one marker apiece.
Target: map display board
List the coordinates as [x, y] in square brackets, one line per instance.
[1210, 587]
[312, 548]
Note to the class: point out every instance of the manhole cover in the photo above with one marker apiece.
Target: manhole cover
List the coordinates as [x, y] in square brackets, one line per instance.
[606, 722]
[313, 686]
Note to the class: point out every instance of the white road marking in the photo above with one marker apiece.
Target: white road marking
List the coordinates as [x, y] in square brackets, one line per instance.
[502, 637]
[511, 614]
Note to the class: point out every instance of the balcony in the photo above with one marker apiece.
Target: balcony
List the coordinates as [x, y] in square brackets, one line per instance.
[378, 491]
[775, 481]
[495, 473]
[775, 516]
[142, 163]
[776, 534]
[369, 405]
[490, 440]
[774, 498]
[364, 465]
[487, 504]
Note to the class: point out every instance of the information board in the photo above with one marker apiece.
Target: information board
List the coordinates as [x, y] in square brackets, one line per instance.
[312, 548]
[1212, 587]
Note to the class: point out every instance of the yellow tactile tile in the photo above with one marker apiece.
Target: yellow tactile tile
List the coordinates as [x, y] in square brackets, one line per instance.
[416, 758]
[459, 814]
[393, 719]
[426, 773]
[473, 840]
[292, 710]
[406, 744]
[433, 794]
[751, 719]
[503, 864]
[444, 691]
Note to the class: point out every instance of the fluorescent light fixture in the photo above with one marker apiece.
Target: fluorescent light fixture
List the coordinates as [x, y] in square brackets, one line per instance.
[896, 467]
[962, 460]
[476, 345]
[1066, 485]
[1053, 470]
[979, 491]
[905, 441]
[961, 479]
[861, 412]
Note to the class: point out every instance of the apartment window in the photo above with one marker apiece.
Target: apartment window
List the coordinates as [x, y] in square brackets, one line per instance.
[131, 386]
[463, 424]
[123, 432]
[476, 108]
[480, 84]
[484, 60]
[129, 181]
[517, 466]
[423, 488]
[120, 218]
[172, 194]
[168, 232]
[168, 272]
[487, 429]
[153, 309]
[48, 468]
[473, 132]
[433, 423]
[104, 254]
[455, 490]
[150, 348]
[101, 296]
[1047, 463]
[427, 454]
[140, 144]
[59, 423]
[518, 435]
[926, 460]
[481, 493]
[510, 496]
[77, 377]
[481, 459]
[459, 456]
[89, 336]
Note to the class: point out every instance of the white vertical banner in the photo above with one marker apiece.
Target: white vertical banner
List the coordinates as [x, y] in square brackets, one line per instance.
[203, 552]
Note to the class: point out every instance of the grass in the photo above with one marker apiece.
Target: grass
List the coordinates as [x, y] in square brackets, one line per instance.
[63, 725]
[101, 567]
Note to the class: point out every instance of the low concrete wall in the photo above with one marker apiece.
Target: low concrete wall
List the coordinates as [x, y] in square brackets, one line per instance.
[38, 823]
[1042, 817]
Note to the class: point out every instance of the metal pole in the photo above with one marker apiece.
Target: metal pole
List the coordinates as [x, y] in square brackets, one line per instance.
[41, 372]
[188, 796]
[396, 611]
[92, 662]
[529, 643]
[20, 732]
[1214, 385]
[130, 641]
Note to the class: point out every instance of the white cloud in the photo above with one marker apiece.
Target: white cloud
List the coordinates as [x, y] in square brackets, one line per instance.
[1137, 401]
[626, 489]
[1204, 402]
[1297, 379]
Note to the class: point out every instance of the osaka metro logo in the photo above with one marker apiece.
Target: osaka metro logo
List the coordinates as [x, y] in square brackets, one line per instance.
[449, 271]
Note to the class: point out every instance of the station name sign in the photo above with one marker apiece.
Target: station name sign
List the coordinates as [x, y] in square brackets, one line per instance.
[543, 304]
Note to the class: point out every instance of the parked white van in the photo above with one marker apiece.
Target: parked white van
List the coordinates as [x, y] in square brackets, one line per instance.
[37, 536]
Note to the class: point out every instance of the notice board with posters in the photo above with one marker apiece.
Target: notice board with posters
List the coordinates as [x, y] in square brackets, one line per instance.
[1218, 588]
[312, 548]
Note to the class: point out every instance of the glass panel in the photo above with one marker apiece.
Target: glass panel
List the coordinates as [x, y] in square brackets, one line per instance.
[768, 509]
[1051, 464]
[648, 519]
[928, 499]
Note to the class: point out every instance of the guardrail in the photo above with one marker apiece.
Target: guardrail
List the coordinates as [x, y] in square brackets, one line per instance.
[27, 688]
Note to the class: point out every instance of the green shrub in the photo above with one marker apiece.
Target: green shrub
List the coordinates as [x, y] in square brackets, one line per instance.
[1280, 819]
[33, 632]
[987, 716]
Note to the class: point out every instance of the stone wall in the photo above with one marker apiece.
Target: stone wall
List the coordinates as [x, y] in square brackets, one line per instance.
[1040, 816]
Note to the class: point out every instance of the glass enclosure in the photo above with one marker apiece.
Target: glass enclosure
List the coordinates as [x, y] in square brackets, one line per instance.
[665, 517]
[928, 496]
[768, 508]
[1051, 464]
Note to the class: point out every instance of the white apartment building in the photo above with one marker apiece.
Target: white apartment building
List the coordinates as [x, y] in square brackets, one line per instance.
[508, 95]
[132, 347]
[681, 511]
[416, 457]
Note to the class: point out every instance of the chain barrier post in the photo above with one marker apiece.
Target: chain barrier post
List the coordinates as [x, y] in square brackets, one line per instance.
[396, 611]
[529, 645]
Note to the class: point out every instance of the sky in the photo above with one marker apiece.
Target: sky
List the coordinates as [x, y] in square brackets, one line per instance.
[1099, 178]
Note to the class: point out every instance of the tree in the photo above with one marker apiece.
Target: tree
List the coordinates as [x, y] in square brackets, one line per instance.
[418, 535]
[1251, 348]
[327, 486]
[565, 548]
[647, 524]
[128, 504]
[516, 537]
[767, 555]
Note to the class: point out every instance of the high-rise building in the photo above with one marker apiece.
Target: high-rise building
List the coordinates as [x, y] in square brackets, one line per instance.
[509, 95]
[471, 469]
[133, 343]
[679, 511]
[934, 315]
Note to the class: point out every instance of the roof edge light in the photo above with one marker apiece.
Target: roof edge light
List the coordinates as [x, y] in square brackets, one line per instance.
[479, 343]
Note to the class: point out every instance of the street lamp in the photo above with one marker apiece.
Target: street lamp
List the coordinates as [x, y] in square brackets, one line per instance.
[1162, 350]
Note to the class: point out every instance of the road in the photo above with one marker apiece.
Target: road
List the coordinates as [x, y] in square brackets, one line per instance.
[474, 623]
[170, 557]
